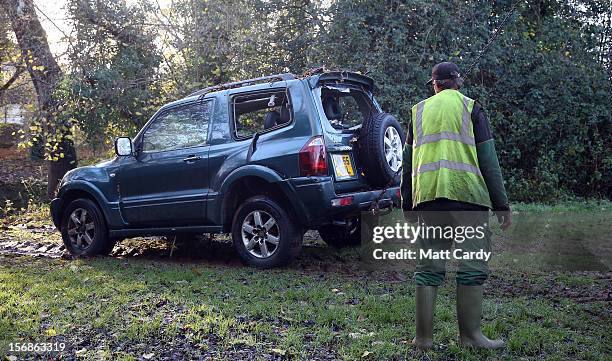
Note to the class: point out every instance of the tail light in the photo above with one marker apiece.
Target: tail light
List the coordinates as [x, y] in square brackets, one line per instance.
[344, 201]
[313, 157]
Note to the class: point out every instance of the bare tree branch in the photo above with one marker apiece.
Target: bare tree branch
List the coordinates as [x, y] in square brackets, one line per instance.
[18, 71]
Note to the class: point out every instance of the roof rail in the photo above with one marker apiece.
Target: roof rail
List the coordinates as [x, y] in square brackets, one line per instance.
[238, 84]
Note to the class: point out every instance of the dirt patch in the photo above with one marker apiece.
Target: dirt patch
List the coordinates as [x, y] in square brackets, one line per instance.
[579, 286]
[34, 249]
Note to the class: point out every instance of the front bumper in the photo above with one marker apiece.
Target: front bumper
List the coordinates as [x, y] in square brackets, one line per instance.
[55, 207]
[316, 195]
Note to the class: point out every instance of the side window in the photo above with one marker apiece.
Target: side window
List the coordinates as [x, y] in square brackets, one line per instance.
[260, 112]
[177, 128]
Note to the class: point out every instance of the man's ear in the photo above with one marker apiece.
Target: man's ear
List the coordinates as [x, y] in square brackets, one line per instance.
[459, 82]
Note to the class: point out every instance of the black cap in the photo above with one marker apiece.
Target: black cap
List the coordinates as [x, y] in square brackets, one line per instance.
[445, 70]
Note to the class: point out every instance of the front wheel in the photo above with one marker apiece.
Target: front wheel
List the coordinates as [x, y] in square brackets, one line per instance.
[264, 234]
[84, 229]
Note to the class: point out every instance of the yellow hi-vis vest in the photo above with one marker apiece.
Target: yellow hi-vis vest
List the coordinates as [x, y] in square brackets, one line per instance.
[444, 159]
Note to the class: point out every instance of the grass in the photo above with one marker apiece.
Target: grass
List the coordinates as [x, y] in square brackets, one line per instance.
[132, 308]
[593, 205]
[142, 308]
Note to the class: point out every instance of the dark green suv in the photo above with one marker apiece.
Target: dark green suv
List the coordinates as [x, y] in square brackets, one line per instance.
[263, 159]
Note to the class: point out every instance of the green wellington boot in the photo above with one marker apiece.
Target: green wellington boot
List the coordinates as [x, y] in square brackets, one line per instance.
[425, 304]
[469, 312]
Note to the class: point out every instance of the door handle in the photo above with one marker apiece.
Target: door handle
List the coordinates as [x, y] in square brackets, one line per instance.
[192, 158]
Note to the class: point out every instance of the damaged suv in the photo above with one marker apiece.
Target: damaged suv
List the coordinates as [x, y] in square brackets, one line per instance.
[264, 159]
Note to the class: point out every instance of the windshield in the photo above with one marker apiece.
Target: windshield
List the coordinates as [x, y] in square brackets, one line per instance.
[346, 107]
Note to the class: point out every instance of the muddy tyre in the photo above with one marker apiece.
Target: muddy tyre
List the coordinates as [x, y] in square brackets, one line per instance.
[341, 236]
[381, 144]
[84, 230]
[264, 234]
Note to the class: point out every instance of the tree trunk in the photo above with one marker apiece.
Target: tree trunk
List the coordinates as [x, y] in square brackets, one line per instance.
[46, 75]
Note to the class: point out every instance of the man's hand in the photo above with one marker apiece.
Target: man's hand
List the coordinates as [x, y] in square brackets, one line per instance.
[504, 218]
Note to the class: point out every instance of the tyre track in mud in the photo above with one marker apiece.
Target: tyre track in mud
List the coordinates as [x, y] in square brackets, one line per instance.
[34, 249]
[317, 259]
[199, 249]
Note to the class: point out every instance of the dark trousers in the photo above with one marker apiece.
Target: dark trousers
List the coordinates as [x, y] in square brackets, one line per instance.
[445, 213]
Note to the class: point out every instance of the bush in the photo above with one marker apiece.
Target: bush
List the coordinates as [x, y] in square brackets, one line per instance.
[542, 83]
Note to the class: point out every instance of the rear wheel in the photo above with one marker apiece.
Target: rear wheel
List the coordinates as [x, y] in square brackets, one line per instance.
[342, 236]
[84, 229]
[264, 234]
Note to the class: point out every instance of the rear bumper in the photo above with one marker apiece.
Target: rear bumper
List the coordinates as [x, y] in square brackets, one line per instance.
[316, 195]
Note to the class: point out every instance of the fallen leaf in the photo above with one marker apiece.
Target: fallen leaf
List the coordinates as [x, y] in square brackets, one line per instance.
[279, 351]
[148, 356]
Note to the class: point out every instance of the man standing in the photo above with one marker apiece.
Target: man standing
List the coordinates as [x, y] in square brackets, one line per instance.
[452, 177]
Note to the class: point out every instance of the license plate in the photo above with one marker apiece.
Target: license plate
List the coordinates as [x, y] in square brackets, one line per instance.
[343, 167]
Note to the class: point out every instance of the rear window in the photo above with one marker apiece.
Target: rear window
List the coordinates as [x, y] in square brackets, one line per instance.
[345, 107]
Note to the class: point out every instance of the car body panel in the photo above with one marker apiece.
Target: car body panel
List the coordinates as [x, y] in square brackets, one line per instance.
[163, 189]
[96, 181]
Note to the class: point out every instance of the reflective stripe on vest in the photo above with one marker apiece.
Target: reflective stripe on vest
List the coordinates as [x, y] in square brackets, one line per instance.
[463, 137]
[442, 163]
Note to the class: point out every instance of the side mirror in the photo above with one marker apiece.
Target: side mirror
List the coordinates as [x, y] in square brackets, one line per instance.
[123, 146]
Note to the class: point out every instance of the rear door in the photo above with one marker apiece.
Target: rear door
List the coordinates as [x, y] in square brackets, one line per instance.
[343, 108]
[166, 184]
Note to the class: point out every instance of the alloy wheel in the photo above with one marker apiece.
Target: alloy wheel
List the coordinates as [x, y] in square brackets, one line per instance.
[260, 234]
[81, 229]
[393, 148]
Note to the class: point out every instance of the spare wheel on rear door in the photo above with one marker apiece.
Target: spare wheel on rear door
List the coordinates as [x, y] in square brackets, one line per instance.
[381, 144]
